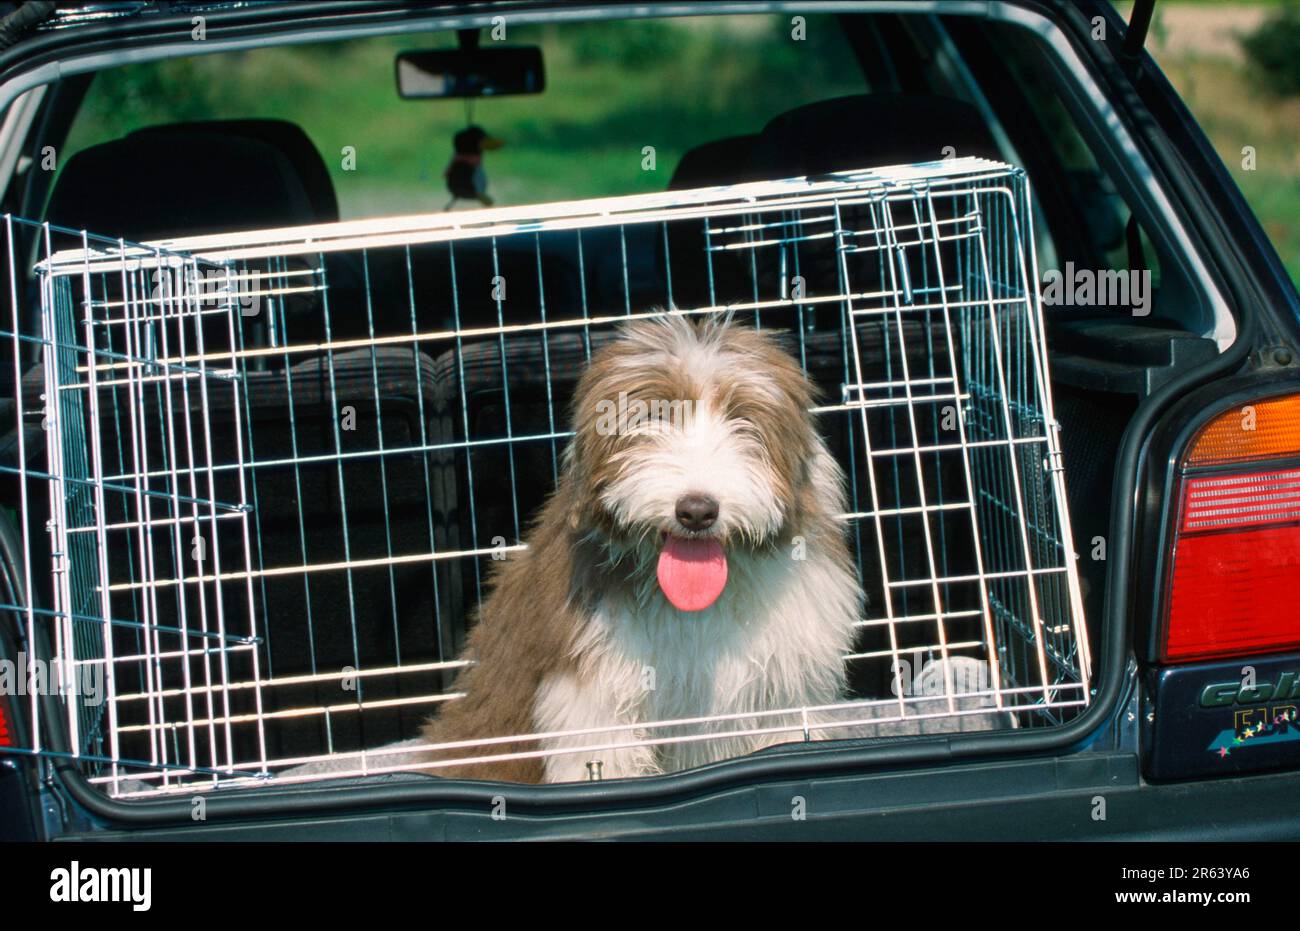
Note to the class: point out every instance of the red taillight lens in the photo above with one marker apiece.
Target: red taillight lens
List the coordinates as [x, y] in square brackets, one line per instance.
[1233, 587]
[1235, 567]
[7, 737]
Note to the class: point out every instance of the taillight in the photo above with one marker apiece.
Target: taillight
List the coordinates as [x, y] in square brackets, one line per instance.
[7, 736]
[1266, 429]
[1234, 583]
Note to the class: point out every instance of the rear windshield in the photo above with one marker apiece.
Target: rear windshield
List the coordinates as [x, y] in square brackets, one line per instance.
[623, 101]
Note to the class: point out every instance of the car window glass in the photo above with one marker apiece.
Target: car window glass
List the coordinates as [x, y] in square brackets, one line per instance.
[624, 100]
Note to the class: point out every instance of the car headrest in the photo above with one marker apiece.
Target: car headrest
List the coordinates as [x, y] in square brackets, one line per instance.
[289, 139]
[869, 130]
[143, 187]
[722, 161]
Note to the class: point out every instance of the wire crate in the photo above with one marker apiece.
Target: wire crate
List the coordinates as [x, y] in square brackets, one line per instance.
[260, 477]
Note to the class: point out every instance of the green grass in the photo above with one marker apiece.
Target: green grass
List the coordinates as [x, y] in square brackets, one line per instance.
[1236, 105]
[1235, 111]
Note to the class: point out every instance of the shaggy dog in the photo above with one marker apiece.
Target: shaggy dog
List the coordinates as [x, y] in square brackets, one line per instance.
[689, 564]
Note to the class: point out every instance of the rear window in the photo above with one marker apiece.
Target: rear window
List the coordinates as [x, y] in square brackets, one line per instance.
[613, 89]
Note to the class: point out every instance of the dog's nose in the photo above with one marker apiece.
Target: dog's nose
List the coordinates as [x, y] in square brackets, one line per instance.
[696, 512]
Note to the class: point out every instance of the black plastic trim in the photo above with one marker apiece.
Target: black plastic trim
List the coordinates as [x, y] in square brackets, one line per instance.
[1021, 799]
[1180, 742]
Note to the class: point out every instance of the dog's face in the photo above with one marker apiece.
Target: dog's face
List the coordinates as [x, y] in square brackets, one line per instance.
[692, 440]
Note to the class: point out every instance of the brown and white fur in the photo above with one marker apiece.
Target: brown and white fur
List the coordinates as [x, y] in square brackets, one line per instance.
[576, 632]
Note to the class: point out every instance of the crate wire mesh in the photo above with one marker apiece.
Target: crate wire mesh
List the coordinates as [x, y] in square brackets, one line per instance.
[278, 464]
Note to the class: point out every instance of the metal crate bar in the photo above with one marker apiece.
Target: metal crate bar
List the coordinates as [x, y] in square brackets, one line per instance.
[260, 476]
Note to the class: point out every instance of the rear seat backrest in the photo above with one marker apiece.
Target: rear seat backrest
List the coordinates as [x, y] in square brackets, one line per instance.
[722, 161]
[160, 185]
[217, 176]
[864, 131]
[868, 131]
[287, 138]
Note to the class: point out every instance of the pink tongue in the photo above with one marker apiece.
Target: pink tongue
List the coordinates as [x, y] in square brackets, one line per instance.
[692, 573]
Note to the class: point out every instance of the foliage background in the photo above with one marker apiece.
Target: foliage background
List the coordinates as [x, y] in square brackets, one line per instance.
[1229, 62]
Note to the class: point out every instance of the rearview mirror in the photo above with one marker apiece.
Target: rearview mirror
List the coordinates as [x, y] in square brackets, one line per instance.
[475, 72]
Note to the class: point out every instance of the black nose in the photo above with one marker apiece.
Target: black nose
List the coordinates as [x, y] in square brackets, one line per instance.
[696, 512]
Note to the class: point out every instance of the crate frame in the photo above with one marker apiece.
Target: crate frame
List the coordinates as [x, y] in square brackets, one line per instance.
[258, 265]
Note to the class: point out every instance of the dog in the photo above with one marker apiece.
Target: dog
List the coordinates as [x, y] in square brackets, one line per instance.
[687, 565]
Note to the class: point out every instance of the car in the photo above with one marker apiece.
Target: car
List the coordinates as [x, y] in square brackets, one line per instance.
[260, 151]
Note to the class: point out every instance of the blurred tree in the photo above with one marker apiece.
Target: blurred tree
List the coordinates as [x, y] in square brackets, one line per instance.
[1274, 51]
[633, 43]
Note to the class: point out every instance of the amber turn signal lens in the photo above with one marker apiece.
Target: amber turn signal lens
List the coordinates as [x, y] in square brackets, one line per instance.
[1258, 430]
